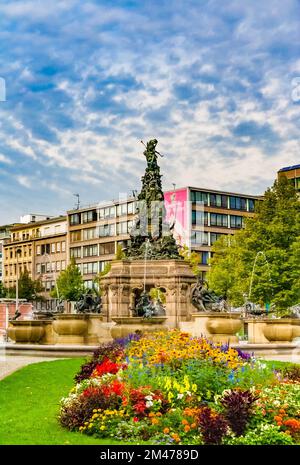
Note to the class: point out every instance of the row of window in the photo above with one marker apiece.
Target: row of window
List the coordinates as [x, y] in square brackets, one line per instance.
[204, 238]
[42, 268]
[11, 270]
[223, 201]
[106, 230]
[200, 218]
[93, 250]
[102, 213]
[91, 267]
[54, 247]
[23, 252]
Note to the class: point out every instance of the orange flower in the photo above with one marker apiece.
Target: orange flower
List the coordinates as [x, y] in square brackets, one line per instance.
[282, 411]
[159, 414]
[278, 418]
[185, 422]
[151, 414]
[155, 421]
[193, 425]
[187, 428]
[166, 430]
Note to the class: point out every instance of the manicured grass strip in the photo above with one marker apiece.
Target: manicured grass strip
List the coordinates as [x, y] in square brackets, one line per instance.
[29, 405]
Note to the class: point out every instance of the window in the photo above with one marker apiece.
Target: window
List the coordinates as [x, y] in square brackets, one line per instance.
[218, 200]
[53, 247]
[63, 246]
[53, 268]
[107, 230]
[75, 236]
[38, 268]
[43, 268]
[199, 238]
[217, 219]
[88, 284]
[122, 209]
[57, 266]
[63, 265]
[130, 208]
[45, 249]
[102, 265]
[75, 219]
[90, 268]
[236, 221]
[89, 216]
[101, 213]
[48, 267]
[122, 228]
[199, 218]
[107, 249]
[109, 212]
[57, 246]
[88, 234]
[90, 250]
[237, 203]
[199, 197]
[38, 250]
[75, 252]
[203, 258]
[251, 204]
[214, 237]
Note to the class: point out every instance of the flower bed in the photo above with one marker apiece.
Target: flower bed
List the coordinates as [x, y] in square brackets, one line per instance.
[170, 388]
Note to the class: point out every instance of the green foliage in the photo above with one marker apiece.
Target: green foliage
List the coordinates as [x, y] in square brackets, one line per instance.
[69, 283]
[275, 233]
[28, 289]
[120, 255]
[3, 291]
[157, 294]
[265, 434]
[98, 278]
[192, 258]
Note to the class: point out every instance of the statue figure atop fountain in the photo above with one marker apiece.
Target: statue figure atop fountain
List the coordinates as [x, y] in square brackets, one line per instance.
[150, 224]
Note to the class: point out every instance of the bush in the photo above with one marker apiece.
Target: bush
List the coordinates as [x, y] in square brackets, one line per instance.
[238, 404]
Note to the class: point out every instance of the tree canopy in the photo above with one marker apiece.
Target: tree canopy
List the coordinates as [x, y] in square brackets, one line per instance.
[266, 252]
[69, 283]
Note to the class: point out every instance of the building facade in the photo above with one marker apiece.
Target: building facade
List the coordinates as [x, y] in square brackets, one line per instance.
[94, 233]
[292, 173]
[38, 247]
[201, 216]
[198, 218]
[4, 235]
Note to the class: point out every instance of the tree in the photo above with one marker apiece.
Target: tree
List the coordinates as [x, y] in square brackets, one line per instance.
[27, 288]
[265, 252]
[69, 283]
[192, 258]
[2, 290]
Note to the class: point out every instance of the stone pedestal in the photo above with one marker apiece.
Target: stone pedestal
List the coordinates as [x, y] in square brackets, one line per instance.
[255, 331]
[98, 332]
[175, 277]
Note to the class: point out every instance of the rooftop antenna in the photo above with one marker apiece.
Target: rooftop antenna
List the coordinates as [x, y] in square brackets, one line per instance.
[78, 201]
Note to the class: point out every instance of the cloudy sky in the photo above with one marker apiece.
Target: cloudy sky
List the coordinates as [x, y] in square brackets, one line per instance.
[87, 80]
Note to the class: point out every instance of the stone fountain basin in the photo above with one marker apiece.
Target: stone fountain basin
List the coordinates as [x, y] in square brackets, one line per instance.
[130, 325]
[26, 331]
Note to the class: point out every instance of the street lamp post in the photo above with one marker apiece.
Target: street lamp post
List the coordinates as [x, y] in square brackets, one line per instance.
[46, 255]
[18, 252]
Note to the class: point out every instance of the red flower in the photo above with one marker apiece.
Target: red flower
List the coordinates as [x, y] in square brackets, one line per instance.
[107, 366]
[135, 419]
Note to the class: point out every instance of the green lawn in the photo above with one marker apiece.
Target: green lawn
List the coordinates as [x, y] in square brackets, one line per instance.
[29, 405]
